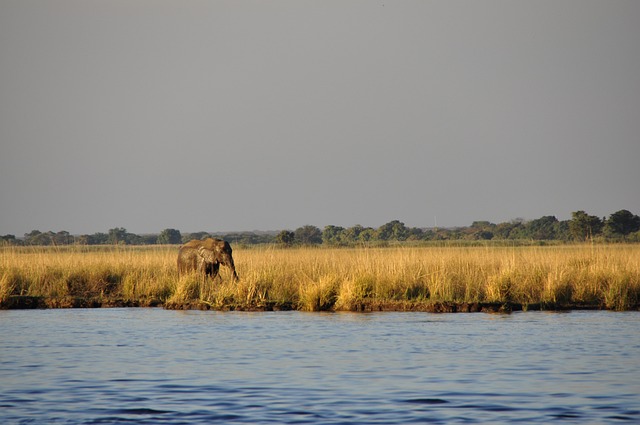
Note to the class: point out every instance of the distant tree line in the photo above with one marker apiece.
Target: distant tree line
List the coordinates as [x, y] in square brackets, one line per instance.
[619, 226]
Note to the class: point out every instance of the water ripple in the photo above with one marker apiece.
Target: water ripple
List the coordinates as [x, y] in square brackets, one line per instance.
[142, 366]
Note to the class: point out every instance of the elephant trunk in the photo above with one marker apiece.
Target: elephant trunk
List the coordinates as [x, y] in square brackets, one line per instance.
[227, 260]
[233, 269]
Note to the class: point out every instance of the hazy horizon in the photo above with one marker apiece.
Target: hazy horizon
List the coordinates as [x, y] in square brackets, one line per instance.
[246, 115]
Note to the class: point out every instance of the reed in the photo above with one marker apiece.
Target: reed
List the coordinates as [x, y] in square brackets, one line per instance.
[313, 279]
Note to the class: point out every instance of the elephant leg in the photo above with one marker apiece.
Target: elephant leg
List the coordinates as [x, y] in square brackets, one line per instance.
[215, 268]
[203, 268]
[211, 269]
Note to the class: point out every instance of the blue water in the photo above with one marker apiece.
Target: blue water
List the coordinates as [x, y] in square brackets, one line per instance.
[151, 366]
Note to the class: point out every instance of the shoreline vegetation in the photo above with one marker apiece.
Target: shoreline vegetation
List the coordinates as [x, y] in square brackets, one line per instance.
[489, 278]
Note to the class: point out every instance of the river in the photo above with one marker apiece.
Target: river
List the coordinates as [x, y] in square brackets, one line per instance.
[154, 366]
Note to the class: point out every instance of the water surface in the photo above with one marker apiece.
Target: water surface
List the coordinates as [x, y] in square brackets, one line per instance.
[151, 366]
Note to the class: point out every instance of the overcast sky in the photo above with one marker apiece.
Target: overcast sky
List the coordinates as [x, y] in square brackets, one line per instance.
[241, 115]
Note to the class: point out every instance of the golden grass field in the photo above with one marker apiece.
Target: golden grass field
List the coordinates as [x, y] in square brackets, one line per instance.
[314, 279]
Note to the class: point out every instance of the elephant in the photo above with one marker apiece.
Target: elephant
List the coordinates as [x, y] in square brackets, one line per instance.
[205, 257]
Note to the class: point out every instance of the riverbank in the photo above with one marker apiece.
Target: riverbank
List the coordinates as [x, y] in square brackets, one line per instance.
[438, 279]
[373, 306]
[22, 302]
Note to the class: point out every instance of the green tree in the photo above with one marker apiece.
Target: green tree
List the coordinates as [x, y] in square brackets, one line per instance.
[415, 234]
[146, 239]
[393, 231]
[333, 235]
[169, 237]
[36, 237]
[117, 235]
[483, 225]
[562, 230]
[285, 237]
[584, 226]
[248, 238]
[622, 223]
[503, 230]
[428, 234]
[543, 228]
[308, 235]
[367, 234]
[358, 233]
[62, 238]
[98, 238]
[481, 230]
[8, 240]
[352, 234]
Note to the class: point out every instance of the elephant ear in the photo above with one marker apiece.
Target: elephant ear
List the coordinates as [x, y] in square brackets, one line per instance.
[207, 254]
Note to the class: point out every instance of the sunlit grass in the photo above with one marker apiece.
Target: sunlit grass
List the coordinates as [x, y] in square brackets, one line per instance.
[315, 279]
[114, 272]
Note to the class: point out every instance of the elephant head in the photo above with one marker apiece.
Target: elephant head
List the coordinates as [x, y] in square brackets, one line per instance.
[216, 252]
[205, 256]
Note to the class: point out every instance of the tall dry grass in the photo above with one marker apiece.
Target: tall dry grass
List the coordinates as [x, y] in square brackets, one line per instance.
[130, 273]
[337, 279]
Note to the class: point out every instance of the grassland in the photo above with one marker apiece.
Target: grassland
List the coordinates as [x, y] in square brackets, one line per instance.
[318, 279]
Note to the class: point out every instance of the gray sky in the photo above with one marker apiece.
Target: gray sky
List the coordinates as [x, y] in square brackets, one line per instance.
[243, 115]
